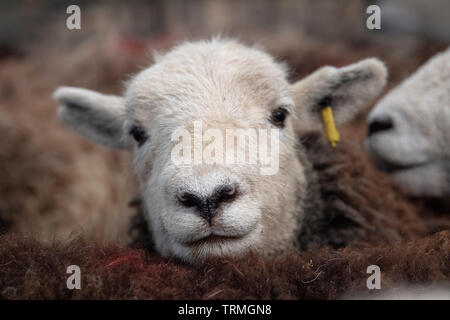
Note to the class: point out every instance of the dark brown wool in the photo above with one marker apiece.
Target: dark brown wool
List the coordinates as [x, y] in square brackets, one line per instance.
[29, 270]
[357, 202]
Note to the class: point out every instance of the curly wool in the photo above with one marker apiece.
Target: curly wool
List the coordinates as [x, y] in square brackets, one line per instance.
[30, 270]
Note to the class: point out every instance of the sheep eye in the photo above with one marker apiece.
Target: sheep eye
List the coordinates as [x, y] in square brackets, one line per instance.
[139, 135]
[278, 116]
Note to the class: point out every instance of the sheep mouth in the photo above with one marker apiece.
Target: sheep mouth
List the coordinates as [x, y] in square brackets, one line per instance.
[214, 239]
[391, 167]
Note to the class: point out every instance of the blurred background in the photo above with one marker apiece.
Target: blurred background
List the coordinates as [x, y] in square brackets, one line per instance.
[54, 184]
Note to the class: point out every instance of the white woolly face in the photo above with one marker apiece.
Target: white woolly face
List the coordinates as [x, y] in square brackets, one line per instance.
[203, 209]
[193, 96]
[409, 132]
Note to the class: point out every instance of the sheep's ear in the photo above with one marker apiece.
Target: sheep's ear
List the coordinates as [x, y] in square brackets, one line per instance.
[96, 116]
[348, 90]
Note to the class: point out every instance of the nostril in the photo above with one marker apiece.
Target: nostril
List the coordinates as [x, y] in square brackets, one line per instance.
[187, 199]
[224, 193]
[378, 125]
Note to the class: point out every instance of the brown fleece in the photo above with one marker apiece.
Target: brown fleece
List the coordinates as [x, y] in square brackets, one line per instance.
[359, 202]
[33, 271]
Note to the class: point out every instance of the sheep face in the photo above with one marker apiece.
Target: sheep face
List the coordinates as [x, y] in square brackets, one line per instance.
[211, 208]
[409, 130]
[199, 201]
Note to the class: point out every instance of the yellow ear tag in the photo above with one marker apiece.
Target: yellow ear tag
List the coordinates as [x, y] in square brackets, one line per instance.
[330, 127]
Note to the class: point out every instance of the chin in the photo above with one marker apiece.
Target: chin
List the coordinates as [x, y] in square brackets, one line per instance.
[418, 177]
[422, 181]
[213, 246]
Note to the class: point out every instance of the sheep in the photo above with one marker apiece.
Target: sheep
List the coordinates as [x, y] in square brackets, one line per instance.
[197, 211]
[409, 130]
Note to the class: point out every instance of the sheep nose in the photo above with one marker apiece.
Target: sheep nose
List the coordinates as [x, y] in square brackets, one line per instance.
[207, 206]
[379, 124]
